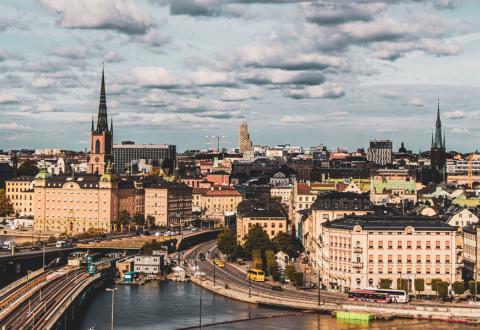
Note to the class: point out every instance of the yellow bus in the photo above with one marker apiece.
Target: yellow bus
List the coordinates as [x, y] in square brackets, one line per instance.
[256, 275]
[219, 263]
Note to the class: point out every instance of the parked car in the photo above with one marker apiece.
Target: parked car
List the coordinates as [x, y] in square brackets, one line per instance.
[277, 288]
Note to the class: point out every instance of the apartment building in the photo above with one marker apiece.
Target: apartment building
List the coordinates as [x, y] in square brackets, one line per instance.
[20, 193]
[358, 251]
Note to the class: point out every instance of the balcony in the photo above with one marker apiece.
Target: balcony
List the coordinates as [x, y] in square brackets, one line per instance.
[357, 250]
[357, 264]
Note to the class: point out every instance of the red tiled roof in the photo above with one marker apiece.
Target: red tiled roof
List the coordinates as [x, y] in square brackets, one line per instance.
[223, 192]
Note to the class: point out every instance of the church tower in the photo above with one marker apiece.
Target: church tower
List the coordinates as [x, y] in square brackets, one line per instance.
[438, 155]
[101, 137]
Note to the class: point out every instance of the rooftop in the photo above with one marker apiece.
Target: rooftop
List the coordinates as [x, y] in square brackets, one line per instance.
[369, 222]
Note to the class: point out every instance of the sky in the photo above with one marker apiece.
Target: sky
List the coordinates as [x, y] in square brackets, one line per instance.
[332, 72]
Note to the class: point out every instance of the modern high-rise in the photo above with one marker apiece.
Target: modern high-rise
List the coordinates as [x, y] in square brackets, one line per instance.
[101, 137]
[127, 155]
[244, 143]
[380, 152]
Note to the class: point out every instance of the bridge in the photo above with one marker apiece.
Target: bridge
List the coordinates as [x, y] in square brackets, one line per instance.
[174, 242]
[45, 299]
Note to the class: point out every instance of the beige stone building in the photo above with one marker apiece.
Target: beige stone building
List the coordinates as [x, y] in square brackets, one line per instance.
[471, 251]
[20, 193]
[75, 204]
[358, 251]
[327, 207]
[169, 203]
[216, 202]
[273, 221]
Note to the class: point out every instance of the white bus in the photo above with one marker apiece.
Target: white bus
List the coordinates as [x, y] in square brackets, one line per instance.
[395, 296]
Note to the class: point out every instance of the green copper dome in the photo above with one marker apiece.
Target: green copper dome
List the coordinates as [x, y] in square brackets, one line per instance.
[42, 172]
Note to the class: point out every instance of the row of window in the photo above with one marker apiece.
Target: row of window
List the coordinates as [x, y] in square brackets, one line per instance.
[418, 270]
[409, 244]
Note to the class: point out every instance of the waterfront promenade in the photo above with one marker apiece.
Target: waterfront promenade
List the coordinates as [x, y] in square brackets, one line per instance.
[232, 282]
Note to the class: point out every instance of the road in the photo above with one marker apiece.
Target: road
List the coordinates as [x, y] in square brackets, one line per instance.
[235, 277]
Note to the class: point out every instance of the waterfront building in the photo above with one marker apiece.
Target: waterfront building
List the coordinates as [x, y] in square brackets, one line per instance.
[269, 216]
[380, 152]
[244, 143]
[328, 207]
[101, 137]
[150, 264]
[76, 203]
[128, 155]
[170, 203]
[359, 251]
[19, 191]
[471, 251]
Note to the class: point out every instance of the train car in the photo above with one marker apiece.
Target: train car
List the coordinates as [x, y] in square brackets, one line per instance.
[97, 267]
[92, 257]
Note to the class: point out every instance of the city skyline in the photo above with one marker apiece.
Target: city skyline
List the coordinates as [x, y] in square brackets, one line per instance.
[360, 71]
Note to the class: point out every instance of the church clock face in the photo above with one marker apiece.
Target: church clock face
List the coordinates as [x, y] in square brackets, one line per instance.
[97, 159]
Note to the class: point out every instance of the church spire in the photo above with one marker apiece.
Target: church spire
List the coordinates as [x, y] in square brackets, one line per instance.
[102, 122]
[438, 130]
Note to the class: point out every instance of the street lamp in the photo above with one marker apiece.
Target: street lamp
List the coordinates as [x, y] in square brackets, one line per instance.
[214, 277]
[113, 301]
[318, 288]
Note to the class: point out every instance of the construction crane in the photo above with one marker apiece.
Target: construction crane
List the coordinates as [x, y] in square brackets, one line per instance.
[215, 141]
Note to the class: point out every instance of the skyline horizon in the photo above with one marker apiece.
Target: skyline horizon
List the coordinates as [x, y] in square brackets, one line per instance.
[318, 71]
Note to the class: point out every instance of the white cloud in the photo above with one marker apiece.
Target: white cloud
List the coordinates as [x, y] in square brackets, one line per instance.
[6, 98]
[237, 94]
[460, 130]
[14, 127]
[149, 76]
[455, 114]
[417, 102]
[327, 90]
[119, 15]
[43, 82]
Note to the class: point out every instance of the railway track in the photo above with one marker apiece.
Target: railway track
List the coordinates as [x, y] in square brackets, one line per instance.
[30, 313]
[15, 293]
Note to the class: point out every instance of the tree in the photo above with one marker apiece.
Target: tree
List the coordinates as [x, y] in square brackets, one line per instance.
[459, 287]
[289, 270]
[419, 285]
[139, 219]
[272, 266]
[257, 262]
[385, 283]
[6, 208]
[227, 243]
[402, 284]
[286, 243]
[150, 221]
[256, 239]
[28, 167]
[124, 219]
[435, 281]
[442, 289]
[297, 279]
[471, 287]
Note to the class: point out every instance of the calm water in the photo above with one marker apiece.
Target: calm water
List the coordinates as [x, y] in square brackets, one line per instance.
[171, 305]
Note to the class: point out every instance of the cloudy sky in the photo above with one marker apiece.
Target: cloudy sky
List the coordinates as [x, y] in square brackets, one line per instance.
[337, 72]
